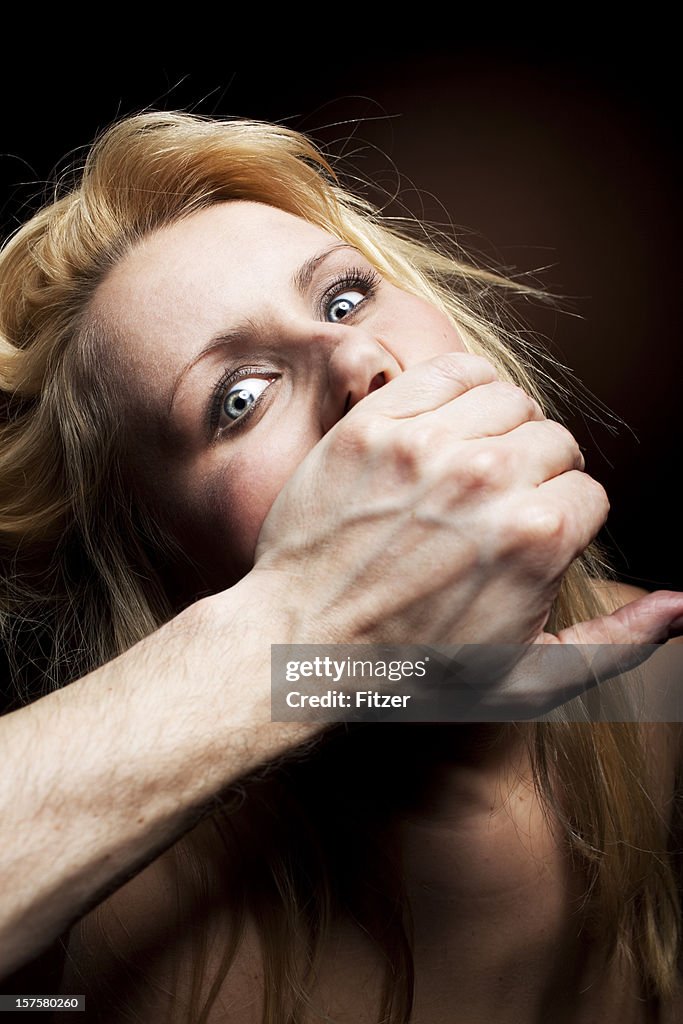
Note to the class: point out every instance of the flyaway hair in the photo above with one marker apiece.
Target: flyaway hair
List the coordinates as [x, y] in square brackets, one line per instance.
[82, 562]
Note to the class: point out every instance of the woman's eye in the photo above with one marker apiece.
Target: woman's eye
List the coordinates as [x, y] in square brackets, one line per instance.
[343, 303]
[242, 395]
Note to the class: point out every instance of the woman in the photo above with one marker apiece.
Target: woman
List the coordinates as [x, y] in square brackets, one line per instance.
[196, 316]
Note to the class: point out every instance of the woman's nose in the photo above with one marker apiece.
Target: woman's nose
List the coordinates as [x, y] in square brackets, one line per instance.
[357, 364]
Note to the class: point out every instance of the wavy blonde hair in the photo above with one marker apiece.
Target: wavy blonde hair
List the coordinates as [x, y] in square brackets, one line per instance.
[82, 566]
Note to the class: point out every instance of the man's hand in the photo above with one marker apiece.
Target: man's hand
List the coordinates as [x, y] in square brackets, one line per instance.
[443, 508]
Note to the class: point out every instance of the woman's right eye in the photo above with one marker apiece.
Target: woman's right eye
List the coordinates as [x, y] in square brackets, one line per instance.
[233, 399]
[241, 396]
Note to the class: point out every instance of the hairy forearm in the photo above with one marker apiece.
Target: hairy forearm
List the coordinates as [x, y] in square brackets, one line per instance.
[101, 777]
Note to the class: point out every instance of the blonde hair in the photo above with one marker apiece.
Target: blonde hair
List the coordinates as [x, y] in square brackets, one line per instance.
[83, 566]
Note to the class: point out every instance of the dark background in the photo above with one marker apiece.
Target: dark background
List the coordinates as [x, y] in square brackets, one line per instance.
[562, 158]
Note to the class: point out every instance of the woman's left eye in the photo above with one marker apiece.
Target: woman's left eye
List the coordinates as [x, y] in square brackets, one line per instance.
[346, 293]
[342, 304]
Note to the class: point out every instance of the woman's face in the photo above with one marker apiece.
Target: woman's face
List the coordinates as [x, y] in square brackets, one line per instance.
[242, 334]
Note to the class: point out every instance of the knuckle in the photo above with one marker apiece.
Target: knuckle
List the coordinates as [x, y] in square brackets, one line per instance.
[463, 367]
[355, 436]
[409, 455]
[599, 494]
[407, 452]
[482, 467]
[561, 432]
[398, 449]
[557, 428]
[514, 394]
[566, 439]
[538, 527]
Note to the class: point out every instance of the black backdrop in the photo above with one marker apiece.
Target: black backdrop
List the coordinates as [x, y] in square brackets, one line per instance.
[564, 157]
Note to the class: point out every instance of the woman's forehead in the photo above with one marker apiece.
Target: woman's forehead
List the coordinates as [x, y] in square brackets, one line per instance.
[189, 278]
[208, 249]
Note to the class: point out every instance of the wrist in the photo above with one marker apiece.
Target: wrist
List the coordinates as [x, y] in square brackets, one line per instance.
[261, 606]
[232, 633]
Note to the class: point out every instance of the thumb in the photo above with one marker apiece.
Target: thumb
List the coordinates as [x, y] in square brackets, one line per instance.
[652, 619]
[619, 642]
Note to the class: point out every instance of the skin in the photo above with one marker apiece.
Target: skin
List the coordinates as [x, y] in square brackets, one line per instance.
[397, 453]
[469, 464]
[186, 285]
[232, 265]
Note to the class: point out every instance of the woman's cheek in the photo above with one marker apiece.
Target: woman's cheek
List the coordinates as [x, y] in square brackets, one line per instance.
[240, 498]
[416, 330]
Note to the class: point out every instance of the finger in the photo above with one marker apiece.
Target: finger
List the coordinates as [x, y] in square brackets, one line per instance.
[489, 410]
[428, 385]
[651, 619]
[549, 674]
[564, 516]
[586, 654]
[526, 457]
[538, 451]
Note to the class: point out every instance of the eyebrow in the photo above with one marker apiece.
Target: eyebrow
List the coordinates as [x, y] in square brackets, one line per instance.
[301, 278]
[301, 281]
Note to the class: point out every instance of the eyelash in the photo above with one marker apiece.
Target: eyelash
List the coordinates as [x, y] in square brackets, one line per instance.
[222, 386]
[355, 277]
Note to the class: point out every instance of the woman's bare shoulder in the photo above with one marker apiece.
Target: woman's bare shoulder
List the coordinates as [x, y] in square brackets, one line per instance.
[135, 952]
